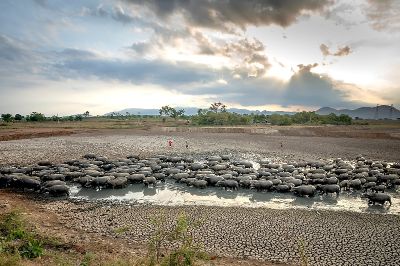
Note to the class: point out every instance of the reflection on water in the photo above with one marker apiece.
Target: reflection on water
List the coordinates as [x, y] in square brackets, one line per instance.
[174, 194]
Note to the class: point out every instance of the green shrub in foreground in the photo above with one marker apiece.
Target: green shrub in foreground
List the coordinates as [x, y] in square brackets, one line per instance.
[16, 239]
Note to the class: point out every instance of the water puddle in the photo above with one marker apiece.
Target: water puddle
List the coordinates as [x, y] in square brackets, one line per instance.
[173, 194]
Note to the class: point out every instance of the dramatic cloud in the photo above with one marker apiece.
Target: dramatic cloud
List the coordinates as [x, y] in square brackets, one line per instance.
[228, 14]
[304, 88]
[342, 51]
[130, 53]
[246, 56]
[307, 88]
[136, 72]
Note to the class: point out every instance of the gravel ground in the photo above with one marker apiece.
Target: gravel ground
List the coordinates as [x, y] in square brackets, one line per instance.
[115, 144]
[329, 238]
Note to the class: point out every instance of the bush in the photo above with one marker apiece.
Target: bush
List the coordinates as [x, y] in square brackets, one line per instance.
[221, 119]
[7, 118]
[15, 239]
[32, 248]
[309, 118]
[35, 117]
[280, 120]
[18, 117]
[173, 247]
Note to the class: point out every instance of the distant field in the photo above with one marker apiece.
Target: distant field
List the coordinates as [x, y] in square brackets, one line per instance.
[104, 123]
[96, 123]
[379, 129]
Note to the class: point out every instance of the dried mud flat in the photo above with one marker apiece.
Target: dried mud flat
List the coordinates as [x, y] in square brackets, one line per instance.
[119, 143]
[329, 237]
[236, 236]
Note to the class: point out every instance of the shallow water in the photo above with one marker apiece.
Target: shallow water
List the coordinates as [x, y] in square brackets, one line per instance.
[173, 194]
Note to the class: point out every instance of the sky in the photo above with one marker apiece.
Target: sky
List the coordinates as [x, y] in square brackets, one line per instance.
[68, 57]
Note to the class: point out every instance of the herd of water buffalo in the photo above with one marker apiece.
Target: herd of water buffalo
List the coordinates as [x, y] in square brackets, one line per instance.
[301, 178]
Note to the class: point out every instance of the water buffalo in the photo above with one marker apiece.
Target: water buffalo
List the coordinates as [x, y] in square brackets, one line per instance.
[355, 184]
[200, 183]
[213, 179]
[149, 180]
[380, 198]
[51, 183]
[117, 182]
[58, 190]
[282, 188]
[231, 184]
[261, 185]
[369, 185]
[379, 188]
[136, 178]
[305, 190]
[331, 188]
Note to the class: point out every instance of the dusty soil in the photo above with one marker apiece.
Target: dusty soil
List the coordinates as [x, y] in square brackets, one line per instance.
[119, 143]
[29, 133]
[388, 130]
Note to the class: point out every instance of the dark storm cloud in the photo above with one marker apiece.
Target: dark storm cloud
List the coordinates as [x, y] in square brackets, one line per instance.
[227, 14]
[304, 88]
[341, 51]
[308, 88]
[137, 72]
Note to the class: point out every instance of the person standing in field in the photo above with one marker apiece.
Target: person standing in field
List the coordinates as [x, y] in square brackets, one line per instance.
[170, 142]
[186, 144]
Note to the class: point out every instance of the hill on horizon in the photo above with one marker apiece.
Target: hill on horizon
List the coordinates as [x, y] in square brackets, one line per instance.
[193, 111]
[380, 112]
[377, 112]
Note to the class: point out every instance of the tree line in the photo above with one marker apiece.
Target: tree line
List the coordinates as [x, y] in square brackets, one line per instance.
[216, 114]
[39, 117]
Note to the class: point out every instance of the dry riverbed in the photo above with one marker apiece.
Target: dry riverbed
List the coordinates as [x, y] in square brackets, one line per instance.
[252, 235]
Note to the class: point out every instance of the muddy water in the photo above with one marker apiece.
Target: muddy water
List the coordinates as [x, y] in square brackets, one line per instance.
[172, 193]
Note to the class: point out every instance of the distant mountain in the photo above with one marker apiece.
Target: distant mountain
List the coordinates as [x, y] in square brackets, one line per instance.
[193, 111]
[377, 112]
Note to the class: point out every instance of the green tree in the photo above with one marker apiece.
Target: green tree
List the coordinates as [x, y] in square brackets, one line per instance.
[86, 114]
[34, 117]
[7, 117]
[218, 107]
[18, 117]
[171, 112]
